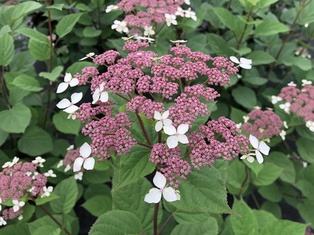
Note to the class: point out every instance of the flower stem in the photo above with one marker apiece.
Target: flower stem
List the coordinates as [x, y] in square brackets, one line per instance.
[143, 128]
[166, 222]
[244, 182]
[155, 218]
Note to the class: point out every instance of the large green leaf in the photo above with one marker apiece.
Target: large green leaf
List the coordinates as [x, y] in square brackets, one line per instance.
[288, 173]
[92, 205]
[270, 192]
[16, 119]
[260, 57]
[53, 75]
[236, 177]
[244, 96]
[300, 62]
[26, 83]
[306, 149]
[36, 141]
[67, 23]
[218, 45]
[3, 136]
[23, 9]
[267, 175]
[267, 28]
[6, 49]
[66, 125]
[208, 227]
[116, 222]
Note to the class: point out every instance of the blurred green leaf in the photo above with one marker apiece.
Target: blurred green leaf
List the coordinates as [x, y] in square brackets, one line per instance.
[53, 75]
[267, 175]
[267, 28]
[260, 57]
[306, 149]
[6, 49]
[26, 83]
[66, 24]
[244, 96]
[98, 205]
[270, 192]
[66, 125]
[208, 227]
[301, 62]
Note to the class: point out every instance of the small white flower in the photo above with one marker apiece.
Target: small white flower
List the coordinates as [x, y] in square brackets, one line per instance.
[285, 107]
[67, 168]
[239, 125]
[46, 191]
[162, 120]
[2, 221]
[187, 2]
[78, 176]
[10, 164]
[246, 119]
[70, 147]
[68, 81]
[100, 94]
[89, 55]
[148, 30]
[260, 148]
[275, 99]
[285, 124]
[69, 106]
[178, 41]
[111, 7]
[34, 175]
[283, 134]
[145, 38]
[310, 125]
[120, 26]
[243, 63]
[39, 160]
[179, 12]
[257, 107]
[176, 135]
[190, 14]
[248, 157]
[154, 194]
[85, 161]
[20, 217]
[292, 84]
[306, 82]
[50, 174]
[171, 19]
[17, 205]
[60, 164]
[0, 204]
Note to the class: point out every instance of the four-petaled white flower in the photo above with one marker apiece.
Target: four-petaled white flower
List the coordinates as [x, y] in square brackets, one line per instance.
[111, 7]
[69, 106]
[168, 193]
[162, 120]
[50, 174]
[39, 160]
[285, 107]
[100, 94]
[260, 148]
[85, 161]
[120, 26]
[171, 19]
[179, 12]
[306, 82]
[176, 135]
[17, 205]
[10, 164]
[68, 81]
[89, 55]
[2, 221]
[148, 30]
[292, 84]
[46, 191]
[275, 99]
[243, 63]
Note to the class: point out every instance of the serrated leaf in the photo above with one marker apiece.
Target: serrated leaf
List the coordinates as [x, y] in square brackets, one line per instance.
[26, 83]
[208, 227]
[66, 24]
[267, 28]
[6, 49]
[16, 119]
[244, 96]
[98, 205]
[306, 149]
[43, 200]
[66, 125]
[24, 8]
[47, 230]
[236, 177]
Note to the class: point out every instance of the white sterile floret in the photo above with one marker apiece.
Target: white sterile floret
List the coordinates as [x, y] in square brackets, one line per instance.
[154, 195]
[243, 62]
[84, 161]
[17, 205]
[111, 7]
[148, 30]
[2, 221]
[179, 12]
[190, 14]
[260, 148]
[39, 160]
[67, 168]
[283, 134]
[120, 26]
[50, 174]
[60, 164]
[306, 82]
[285, 124]
[100, 94]
[275, 99]
[310, 125]
[0, 204]
[89, 55]
[47, 191]
[78, 176]
[176, 135]
[162, 119]
[285, 107]
[187, 2]
[292, 84]
[69, 106]
[171, 19]
[68, 81]
[10, 164]
[248, 157]
[178, 41]
[148, 39]
[246, 118]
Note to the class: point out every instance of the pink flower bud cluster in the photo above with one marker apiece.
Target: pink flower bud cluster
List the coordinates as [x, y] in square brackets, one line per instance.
[17, 181]
[263, 124]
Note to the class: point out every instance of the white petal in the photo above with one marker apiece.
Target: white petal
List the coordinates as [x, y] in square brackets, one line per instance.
[169, 194]
[74, 82]
[76, 97]
[264, 148]
[89, 163]
[104, 96]
[153, 196]
[157, 115]
[96, 96]
[250, 159]
[16, 208]
[62, 87]
[183, 128]
[245, 61]
[234, 59]
[172, 141]
[159, 180]
[243, 157]
[77, 165]
[170, 130]
[67, 77]
[165, 115]
[158, 126]
[167, 122]
[85, 150]
[246, 66]
[253, 141]
[71, 109]
[259, 157]
[64, 103]
[183, 139]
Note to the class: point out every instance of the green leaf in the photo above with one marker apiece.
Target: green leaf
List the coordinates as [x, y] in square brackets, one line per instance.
[66, 125]
[226, 17]
[23, 62]
[198, 43]
[269, 173]
[237, 115]
[208, 227]
[305, 210]
[210, 192]
[43, 200]
[306, 149]
[23, 9]
[3, 136]
[306, 187]
[246, 223]
[260, 57]
[267, 28]
[236, 176]
[67, 190]
[53, 75]
[270, 192]
[6, 49]
[273, 208]
[67, 23]
[218, 45]
[116, 222]
[47, 230]
[26, 83]
[78, 66]
[303, 63]
[307, 14]
[244, 96]
[34, 35]
[36, 141]
[98, 205]
[257, 81]
[16, 119]
[91, 32]
[14, 229]
[46, 221]
[265, 3]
